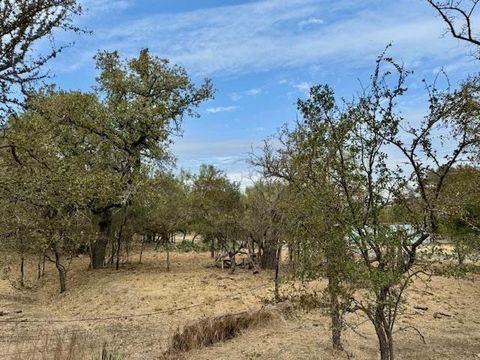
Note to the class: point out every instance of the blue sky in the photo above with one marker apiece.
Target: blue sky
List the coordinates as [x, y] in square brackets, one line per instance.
[262, 56]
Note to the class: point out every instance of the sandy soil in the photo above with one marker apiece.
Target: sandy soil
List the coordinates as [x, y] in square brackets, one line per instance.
[193, 290]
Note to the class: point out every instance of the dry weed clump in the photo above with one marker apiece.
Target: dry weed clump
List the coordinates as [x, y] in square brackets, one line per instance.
[211, 330]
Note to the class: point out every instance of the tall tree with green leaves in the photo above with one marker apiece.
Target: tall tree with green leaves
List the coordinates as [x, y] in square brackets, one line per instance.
[217, 209]
[263, 219]
[144, 100]
[306, 161]
[345, 149]
[53, 175]
[160, 209]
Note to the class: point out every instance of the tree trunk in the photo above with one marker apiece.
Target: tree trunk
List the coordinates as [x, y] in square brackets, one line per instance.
[22, 271]
[141, 248]
[98, 253]
[252, 259]
[22, 259]
[120, 235]
[292, 260]
[112, 253]
[335, 315]
[119, 242]
[61, 271]
[99, 247]
[43, 263]
[233, 262]
[193, 238]
[382, 329]
[212, 247]
[168, 251]
[385, 343]
[278, 258]
[168, 256]
[39, 267]
[268, 258]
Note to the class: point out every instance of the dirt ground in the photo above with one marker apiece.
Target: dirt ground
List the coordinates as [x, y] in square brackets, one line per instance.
[135, 311]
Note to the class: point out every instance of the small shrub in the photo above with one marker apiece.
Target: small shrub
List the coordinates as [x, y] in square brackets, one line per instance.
[252, 355]
[188, 246]
[300, 298]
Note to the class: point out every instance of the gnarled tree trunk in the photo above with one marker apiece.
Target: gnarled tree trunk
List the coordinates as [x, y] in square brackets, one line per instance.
[268, 259]
[62, 272]
[233, 261]
[383, 327]
[335, 314]
[99, 247]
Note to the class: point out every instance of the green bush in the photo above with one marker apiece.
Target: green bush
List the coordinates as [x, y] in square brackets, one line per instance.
[188, 246]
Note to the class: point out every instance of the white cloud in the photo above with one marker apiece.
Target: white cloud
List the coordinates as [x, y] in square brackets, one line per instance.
[262, 35]
[310, 22]
[235, 152]
[227, 159]
[219, 109]
[236, 96]
[303, 87]
[244, 178]
[253, 92]
[207, 148]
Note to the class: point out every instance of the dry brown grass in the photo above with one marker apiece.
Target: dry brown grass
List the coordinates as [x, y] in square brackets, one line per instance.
[76, 346]
[148, 288]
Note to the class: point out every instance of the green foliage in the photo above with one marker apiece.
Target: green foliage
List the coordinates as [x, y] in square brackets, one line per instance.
[77, 161]
[216, 207]
[360, 220]
[188, 246]
[267, 218]
[460, 212]
[160, 205]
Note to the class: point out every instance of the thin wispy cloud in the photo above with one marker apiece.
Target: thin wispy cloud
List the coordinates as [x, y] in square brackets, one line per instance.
[263, 35]
[209, 148]
[253, 92]
[266, 48]
[304, 86]
[219, 109]
[236, 96]
[304, 24]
